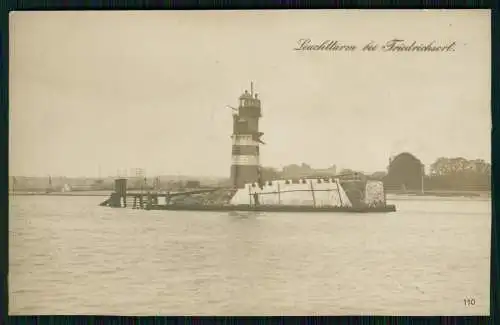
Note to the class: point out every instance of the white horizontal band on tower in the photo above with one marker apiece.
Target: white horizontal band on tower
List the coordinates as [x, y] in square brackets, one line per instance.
[244, 140]
[245, 160]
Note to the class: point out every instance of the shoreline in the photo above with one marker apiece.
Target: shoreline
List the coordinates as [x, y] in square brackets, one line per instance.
[443, 193]
[415, 195]
[76, 193]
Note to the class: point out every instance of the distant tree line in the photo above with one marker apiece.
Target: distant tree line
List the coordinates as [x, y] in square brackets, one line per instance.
[406, 172]
[459, 174]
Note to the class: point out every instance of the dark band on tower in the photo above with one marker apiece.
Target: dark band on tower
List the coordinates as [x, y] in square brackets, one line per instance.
[245, 167]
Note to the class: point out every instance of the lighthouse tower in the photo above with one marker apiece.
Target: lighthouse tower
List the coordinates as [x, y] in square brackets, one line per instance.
[245, 167]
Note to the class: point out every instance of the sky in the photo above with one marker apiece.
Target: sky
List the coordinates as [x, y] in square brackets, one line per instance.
[92, 93]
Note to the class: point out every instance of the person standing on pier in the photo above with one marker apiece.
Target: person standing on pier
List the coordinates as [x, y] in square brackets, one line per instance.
[256, 199]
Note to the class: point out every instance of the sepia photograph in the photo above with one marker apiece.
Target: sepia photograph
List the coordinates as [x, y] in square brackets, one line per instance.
[254, 162]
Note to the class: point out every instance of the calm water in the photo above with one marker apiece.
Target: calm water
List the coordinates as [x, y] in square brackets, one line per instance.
[69, 256]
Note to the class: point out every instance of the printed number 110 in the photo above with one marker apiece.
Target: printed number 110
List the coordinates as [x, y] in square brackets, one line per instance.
[469, 301]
